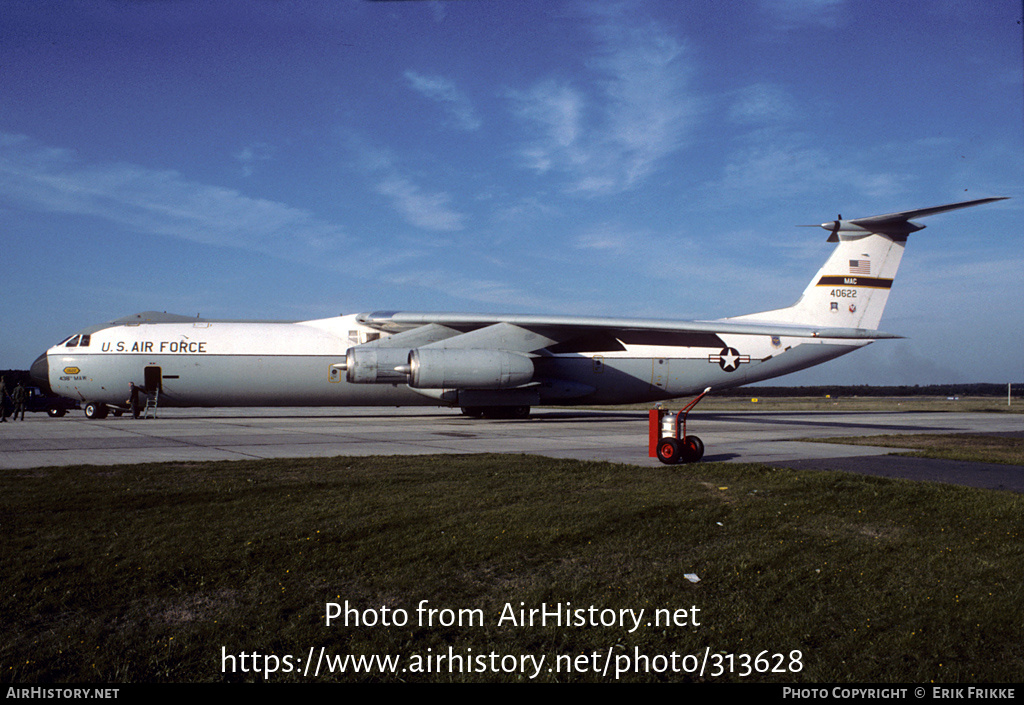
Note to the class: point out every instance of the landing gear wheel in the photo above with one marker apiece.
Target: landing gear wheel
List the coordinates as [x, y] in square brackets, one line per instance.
[692, 449]
[95, 410]
[505, 412]
[668, 451]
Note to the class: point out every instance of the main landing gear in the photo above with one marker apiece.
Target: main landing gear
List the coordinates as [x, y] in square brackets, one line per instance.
[668, 439]
[496, 412]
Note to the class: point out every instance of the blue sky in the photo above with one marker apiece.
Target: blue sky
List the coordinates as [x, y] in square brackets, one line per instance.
[293, 160]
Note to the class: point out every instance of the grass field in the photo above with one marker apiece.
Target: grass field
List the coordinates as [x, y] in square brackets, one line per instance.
[171, 572]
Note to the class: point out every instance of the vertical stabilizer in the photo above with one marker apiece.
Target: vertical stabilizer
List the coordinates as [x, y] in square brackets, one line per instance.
[852, 288]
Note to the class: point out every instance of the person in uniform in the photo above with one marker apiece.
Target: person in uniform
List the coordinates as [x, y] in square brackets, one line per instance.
[20, 398]
[3, 400]
[133, 399]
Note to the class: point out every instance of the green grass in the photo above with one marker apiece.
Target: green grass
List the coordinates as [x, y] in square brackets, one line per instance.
[144, 573]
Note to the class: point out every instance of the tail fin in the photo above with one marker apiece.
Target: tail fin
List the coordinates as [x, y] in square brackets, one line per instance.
[852, 288]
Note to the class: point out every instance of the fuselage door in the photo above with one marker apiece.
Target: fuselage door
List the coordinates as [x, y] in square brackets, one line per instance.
[153, 381]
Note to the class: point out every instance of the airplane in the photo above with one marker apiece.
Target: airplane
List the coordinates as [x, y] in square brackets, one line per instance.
[493, 366]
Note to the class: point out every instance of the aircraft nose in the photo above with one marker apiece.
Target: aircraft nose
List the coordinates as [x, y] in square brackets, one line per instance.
[40, 373]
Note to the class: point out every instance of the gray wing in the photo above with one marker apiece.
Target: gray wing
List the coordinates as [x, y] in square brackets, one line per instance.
[527, 333]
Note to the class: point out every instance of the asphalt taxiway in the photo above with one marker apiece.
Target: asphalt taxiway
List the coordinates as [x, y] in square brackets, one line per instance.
[618, 436]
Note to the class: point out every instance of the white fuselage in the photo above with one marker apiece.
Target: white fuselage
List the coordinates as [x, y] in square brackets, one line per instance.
[216, 363]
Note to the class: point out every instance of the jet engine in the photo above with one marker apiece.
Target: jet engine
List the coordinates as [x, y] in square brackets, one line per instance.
[375, 365]
[445, 368]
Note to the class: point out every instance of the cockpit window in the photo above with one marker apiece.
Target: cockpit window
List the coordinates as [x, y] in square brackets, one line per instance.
[73, 343]
[85, 341]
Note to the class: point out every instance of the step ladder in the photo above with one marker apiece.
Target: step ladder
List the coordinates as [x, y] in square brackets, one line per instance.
[152, 400]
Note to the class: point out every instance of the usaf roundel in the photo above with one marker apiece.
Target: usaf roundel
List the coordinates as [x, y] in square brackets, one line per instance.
[729, 359]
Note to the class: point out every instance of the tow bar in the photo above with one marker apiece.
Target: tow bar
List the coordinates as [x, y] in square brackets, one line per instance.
[667, 436]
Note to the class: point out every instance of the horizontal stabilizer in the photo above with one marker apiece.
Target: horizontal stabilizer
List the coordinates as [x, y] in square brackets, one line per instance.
[896, 224]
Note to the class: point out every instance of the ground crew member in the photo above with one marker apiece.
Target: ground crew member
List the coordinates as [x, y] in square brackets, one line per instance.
[20, 398]
[3, 400]
[133, 399]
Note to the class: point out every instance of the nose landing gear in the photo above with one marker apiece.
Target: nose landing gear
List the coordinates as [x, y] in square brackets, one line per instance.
[95, 410]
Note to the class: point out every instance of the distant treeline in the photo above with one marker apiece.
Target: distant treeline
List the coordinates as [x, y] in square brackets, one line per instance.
[976, 389]
[13, 377]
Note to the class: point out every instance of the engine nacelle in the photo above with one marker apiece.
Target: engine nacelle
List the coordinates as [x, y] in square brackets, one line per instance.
[375, 365]
[445, 368]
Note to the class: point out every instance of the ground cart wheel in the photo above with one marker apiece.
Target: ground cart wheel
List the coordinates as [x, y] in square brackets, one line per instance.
[692, 450]
[668, 451]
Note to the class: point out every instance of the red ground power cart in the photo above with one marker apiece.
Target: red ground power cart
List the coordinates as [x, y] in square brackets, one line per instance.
[668, 440]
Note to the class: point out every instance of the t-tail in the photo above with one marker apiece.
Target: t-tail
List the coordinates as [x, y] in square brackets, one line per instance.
[852, 288]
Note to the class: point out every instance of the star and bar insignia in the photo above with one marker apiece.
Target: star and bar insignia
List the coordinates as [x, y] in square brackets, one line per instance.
[729, 359]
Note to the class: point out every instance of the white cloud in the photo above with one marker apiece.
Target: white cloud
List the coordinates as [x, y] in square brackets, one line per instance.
[424, 210]
[250, 155]
[487, 291]
[443, 91]
[610, 134]
[790, 14]
[762, 103]
[786, 168]
[431, 211]
[157, 202]
[557, 110]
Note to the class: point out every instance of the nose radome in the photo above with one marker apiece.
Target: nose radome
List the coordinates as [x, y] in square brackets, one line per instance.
[40, 373]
